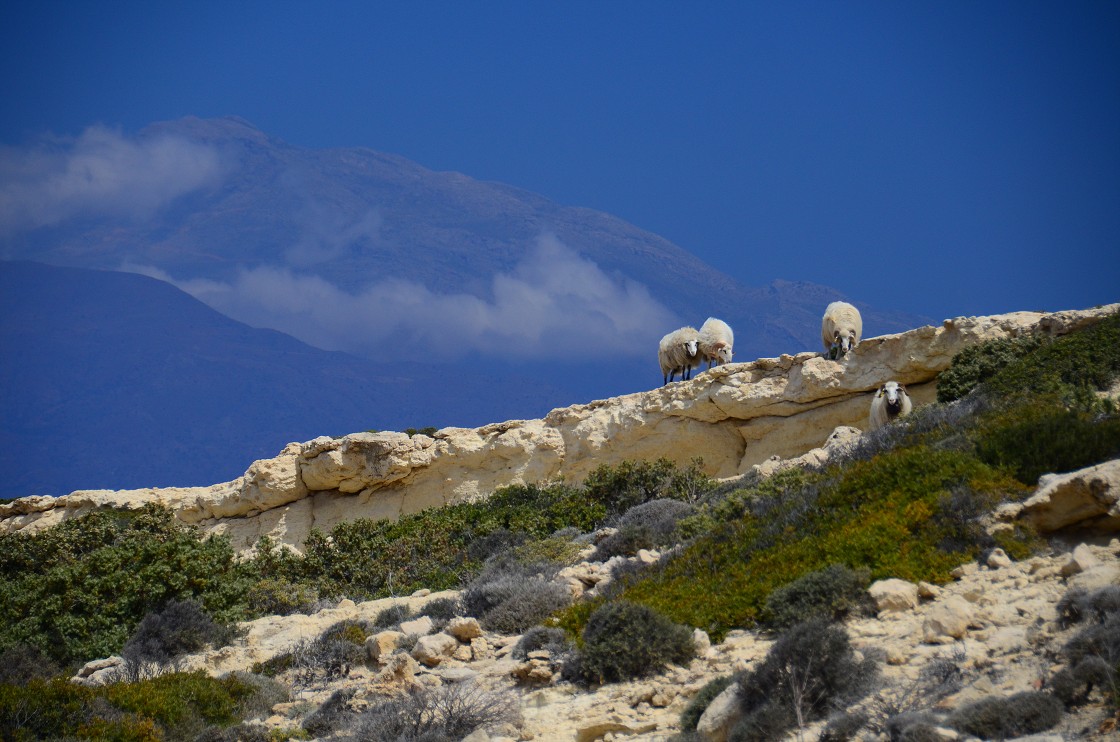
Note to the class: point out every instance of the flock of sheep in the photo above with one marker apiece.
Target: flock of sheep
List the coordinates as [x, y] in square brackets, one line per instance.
[687, 348]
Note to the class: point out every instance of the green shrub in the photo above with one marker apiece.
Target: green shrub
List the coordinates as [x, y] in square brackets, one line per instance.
[78, 590]
[333, 715]
[392, 616]
[1041, 436]
[541, 637]
[512, 601]
[1025, 713]
[809, 672]
[979, 363]
[21, 663]
[891, 515]
[172, 706]
[843, 727]
[833, 593]
[623, 640]
[442, 609]
[696, 707]
[271, 597]
[631, 483]
[650, 525]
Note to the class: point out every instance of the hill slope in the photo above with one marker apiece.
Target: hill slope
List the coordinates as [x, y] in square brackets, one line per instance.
[119, 380]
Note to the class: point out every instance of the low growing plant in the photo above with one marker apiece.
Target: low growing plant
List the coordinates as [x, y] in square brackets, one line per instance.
[623, 640]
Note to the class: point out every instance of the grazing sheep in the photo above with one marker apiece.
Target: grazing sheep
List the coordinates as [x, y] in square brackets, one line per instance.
[841, 329]
[716, 341]
[679, 351]
[890, 402]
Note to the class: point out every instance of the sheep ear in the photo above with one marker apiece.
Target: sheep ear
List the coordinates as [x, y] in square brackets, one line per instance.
[903, 388]
[719, 345]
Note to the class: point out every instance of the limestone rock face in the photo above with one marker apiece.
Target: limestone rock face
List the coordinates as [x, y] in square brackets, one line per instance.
[733, 416]
[1088, 498]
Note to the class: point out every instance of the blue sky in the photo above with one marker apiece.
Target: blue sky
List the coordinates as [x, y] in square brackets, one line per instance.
[940, 158]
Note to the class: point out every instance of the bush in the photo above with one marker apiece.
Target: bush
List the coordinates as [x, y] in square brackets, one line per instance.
[442, 609]
[392, 616]
[333, 715]
[555, 640]
[444, 713]
[809, 672]
[1079, 605]
[623, 640]
[20, 664]
[696, 707]
[1006, 718]
[631, 483]
[979, 363]
[833, 593]
[510, 597]
[271, 597]
[650, 525]
[843, 727]
[181, 627]
[78, 590]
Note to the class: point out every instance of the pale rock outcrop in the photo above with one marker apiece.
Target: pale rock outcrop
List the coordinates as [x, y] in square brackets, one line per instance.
[433, 649]
[382, 644]
[463, 629]
[734, 416]
[947, 620]
[721, 715]
[420, 626]
[894, 595]
[1088, 499]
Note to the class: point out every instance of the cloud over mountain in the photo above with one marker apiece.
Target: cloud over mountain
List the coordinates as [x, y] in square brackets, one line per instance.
[101, 172]
[553, 303]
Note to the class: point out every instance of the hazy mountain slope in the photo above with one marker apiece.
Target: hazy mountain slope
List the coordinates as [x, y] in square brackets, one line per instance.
[354, 217]
[117, 380]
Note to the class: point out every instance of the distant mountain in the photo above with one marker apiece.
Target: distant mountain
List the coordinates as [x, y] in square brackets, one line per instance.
[115, 380]
[356, 216]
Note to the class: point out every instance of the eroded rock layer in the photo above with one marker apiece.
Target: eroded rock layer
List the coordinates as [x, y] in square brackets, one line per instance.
[733, 417]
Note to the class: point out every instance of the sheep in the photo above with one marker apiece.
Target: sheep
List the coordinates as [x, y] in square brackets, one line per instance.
[679, 351]
[716, 341]
[889, 403]
[841, 328]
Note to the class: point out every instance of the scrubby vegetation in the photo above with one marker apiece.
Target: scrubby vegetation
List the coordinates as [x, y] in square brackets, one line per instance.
[172, 706]
[623, 640]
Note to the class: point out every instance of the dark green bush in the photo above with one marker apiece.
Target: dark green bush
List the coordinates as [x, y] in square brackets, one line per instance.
[442, 609]
[270, 597]
[623, 641]
[843, 727]
[1039, 437]
[78, 590]
[650, 525]
[1074, 684]
[1006, 718]
[696, 707]
[631, 483]
[809, 672]
[392, 616]
[978, 363]
[833, 593]
[21, 663]
[172, 706]
[1079, 605]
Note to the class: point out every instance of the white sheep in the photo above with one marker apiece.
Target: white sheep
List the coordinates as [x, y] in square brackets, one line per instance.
[889, 403]
[716, 341]
[679, 351]
[841, 329]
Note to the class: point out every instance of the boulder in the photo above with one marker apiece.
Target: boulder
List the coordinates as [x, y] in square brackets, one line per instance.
[721, 715]
[947, 620]
[894, 595]
[1087, 499]
[463, 629]
[435, 648]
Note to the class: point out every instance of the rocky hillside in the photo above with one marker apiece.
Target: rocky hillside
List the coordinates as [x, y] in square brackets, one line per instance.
[734, 417]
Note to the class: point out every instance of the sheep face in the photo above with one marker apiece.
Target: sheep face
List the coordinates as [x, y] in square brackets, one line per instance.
[723, 352]
[893, 392]
[843, 342]
[691, 348]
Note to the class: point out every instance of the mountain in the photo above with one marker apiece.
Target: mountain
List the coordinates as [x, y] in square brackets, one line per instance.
[354, 217]
[118, 380]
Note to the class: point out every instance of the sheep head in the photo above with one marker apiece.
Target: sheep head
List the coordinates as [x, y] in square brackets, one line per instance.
[691, 348]
[894, 392]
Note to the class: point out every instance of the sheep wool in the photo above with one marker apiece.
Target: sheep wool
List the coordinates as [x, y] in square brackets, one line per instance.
[679, 352]
[717, 341]
[841, 329]
[889, 403]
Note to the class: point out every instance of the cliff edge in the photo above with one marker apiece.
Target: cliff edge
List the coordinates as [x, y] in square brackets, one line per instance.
[733, 417]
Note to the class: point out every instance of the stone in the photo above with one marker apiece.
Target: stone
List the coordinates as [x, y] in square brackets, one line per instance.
[1081, 559]
[435, 648]
[382, 644]
[399, 669]
[947, 620]
[480, 649]
[463, 629]
[1087, 499]
[998, 559]
[721, 715]
[894, 595]
[421, 626]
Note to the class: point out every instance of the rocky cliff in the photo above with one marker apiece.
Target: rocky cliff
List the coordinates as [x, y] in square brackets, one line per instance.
[734, 417]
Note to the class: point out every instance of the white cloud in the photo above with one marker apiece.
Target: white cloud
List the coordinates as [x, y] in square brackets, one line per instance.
[554, 304]
[102, 172]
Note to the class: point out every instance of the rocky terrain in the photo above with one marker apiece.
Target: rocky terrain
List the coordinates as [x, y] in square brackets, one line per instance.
[998, 623]
[734, 417]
